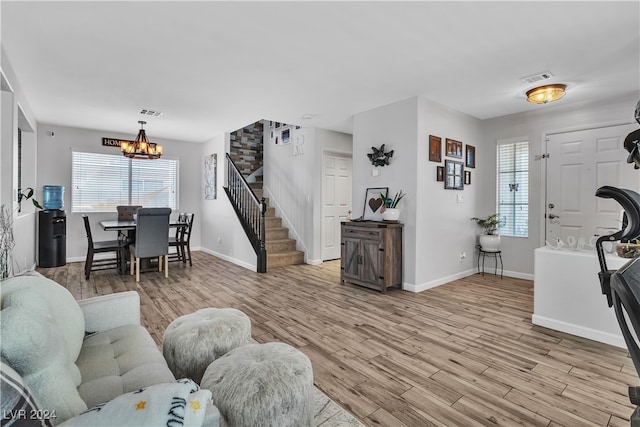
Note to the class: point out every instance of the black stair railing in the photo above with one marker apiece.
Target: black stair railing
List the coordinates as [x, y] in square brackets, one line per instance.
[250, 211]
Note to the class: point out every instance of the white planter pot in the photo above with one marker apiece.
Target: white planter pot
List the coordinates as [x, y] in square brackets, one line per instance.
[490, 242]
[391, 214]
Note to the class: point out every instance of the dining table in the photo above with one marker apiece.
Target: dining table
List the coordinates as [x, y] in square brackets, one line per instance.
[116, 225]
[128, 230]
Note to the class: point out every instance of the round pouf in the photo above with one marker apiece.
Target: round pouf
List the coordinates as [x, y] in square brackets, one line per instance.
[262, 385]
[193, 341]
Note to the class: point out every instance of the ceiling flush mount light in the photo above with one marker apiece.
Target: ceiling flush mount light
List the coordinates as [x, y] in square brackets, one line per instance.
[141, 147]
[546, 93]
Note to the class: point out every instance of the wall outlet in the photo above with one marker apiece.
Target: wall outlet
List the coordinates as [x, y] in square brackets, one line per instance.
[460, 198]
[219, 240]
[463, 255]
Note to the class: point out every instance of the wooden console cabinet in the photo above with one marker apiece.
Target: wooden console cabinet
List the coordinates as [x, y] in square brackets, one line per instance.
[371, 254]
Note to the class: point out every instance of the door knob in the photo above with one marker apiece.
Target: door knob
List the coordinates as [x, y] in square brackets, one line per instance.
[552, 216]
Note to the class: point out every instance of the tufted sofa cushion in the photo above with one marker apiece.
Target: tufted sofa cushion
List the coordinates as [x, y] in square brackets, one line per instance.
[118, 361]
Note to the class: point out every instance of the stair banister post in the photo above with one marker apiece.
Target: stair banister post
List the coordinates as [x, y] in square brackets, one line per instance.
[262, 267]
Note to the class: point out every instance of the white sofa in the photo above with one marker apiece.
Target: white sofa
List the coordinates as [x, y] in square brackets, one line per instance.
[76, 355]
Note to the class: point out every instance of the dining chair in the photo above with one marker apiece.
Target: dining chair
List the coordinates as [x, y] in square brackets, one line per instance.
[126, 212]
[105, 246]
[182, 239]
[152, 239]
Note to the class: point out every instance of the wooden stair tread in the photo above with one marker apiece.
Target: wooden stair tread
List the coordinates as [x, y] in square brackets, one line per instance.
[281, 259]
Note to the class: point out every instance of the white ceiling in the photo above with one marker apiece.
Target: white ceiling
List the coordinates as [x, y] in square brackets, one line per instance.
[214, 66]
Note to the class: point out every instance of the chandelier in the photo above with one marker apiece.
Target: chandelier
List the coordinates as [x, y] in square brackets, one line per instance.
[544, 94]
[141, 148]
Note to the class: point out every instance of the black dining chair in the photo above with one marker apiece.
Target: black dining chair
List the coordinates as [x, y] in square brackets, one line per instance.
[182, 239]
[102, 247]
[152, 239]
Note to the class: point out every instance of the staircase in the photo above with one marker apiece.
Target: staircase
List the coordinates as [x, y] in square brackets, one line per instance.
[281, 250]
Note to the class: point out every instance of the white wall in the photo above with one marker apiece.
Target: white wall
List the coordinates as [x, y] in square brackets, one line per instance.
[289, 183]
[518, 252]
[444, 228]
[396, 126]
[293, 183]
[221, 232]
[15, 110]
[54, 160]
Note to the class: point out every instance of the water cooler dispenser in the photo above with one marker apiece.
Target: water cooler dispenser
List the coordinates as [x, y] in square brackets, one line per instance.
[52, 223]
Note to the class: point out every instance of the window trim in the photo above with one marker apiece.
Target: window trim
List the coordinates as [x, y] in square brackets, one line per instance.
[86, 150]
[512, 141]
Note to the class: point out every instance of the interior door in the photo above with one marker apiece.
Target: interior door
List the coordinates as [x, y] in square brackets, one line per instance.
[580, 162]
[336, 202]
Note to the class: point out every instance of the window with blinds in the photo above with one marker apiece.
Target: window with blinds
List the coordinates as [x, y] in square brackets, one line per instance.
[513, 187]
[100, 182]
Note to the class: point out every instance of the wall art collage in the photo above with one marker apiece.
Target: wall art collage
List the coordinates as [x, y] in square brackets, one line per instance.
[281, 133]
[461, 155]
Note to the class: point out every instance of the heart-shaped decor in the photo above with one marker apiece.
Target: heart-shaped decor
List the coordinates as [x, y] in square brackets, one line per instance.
[375, 204]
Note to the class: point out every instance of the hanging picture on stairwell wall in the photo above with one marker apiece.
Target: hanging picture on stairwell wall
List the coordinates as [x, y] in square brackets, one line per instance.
[210, 176]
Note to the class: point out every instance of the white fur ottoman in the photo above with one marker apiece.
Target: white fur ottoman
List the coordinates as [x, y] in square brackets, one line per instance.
[193, 341]
[262, 385]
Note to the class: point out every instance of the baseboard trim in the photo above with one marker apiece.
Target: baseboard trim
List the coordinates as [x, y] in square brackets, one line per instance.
[518, 275]
[231, 260]
[441, 281]
[580, 331]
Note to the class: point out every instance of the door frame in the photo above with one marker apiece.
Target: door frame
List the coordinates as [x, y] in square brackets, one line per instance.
[544, 141]
[338, 153]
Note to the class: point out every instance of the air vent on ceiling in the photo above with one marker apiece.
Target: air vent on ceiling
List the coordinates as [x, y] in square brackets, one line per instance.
[537, 77]
[152, 113]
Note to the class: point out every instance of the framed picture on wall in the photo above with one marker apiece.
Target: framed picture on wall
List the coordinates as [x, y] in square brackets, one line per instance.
[453, 175]
[440, 173]
[286, 136]
[467, 177]
[435, 148]
[470, 156]
[454, 148]
[373, 203]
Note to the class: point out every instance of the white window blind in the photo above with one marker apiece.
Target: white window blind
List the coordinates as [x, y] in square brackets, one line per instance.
[513, 187]
[100, 182]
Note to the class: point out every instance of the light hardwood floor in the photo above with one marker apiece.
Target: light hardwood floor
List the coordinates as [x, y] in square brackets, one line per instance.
[461, 354]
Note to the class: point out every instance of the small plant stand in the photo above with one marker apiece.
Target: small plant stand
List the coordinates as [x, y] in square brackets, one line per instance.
[497, 255]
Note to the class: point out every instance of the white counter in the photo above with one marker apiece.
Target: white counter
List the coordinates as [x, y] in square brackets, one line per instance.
[567, 296]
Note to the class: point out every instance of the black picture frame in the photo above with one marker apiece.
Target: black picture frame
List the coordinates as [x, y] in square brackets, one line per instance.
[286, 136]
[467, 177]
[440, 173]
[435, 149]
[453, 175]
[470, 156]
[453, 148]
[373, 203]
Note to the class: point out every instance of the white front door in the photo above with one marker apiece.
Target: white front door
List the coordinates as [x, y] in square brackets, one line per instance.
[336, 201]
[579, 163]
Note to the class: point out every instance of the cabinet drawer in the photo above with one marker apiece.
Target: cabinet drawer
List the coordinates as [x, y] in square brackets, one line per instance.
[362, 233]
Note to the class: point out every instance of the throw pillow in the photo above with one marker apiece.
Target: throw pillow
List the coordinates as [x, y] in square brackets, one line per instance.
[19, 407]
[170, 404]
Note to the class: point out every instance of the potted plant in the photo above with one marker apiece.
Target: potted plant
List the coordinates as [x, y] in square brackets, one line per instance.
[391, 211]
[490, 239]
